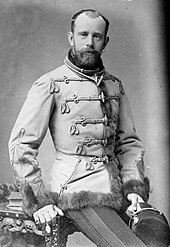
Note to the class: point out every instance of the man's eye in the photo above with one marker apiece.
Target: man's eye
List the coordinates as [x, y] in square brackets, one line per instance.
[83, 34]
[98, 37]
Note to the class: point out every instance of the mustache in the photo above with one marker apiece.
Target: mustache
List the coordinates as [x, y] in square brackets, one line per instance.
[88, 50]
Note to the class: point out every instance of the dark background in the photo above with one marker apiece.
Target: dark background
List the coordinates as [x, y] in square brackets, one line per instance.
[33, 41]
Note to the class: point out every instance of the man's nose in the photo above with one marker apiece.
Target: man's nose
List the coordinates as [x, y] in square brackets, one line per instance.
[90, 42]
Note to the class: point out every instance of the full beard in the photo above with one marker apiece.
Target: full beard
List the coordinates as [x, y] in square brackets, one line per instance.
[87, 58]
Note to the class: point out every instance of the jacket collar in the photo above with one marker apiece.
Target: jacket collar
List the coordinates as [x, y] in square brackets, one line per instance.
[69, 61]
[95, 75]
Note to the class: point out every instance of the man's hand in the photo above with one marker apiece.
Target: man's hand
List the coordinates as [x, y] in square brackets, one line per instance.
[47, 214]
[135, 199]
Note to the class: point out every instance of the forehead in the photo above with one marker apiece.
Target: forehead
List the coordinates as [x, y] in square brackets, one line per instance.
[89, 23]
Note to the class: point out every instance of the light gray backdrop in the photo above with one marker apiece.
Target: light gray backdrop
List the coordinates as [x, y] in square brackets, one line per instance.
[33, 41]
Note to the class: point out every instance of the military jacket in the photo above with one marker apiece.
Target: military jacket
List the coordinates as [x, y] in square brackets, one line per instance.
[97, 149]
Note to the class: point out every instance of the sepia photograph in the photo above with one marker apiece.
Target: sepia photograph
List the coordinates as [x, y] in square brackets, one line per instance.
[84, 123]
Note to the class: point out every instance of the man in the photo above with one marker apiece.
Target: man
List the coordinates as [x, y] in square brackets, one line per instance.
[98, 171]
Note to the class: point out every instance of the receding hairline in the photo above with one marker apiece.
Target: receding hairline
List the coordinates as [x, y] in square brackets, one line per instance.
[92, 13]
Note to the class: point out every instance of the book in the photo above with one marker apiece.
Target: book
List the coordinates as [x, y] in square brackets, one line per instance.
[15, 199]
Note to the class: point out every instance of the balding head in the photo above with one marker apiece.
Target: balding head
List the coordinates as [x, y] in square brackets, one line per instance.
[92, 14]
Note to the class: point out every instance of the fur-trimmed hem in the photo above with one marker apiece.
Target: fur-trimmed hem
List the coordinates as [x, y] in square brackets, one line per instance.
[86, 198]
[77, 200]
[138, 187]
[66, 201]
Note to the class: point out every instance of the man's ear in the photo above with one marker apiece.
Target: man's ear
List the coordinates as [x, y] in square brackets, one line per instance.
[105, 42]
[70, 38]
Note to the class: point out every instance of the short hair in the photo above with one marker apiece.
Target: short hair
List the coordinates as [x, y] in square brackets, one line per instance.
[91, 13]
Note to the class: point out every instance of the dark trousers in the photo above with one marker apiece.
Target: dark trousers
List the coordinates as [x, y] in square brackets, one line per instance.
[104, 227]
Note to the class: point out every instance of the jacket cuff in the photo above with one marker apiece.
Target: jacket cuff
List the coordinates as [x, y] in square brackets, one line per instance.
[138, 187]
[32, 203]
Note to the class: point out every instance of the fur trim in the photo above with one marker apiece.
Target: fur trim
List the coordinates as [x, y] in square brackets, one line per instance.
[66, 201]
[29, 201]
[138, 187]
[87, 198]
[77, 200]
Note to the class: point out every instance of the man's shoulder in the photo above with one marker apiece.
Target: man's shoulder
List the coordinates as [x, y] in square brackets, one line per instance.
[58, 73]
[55, 73]
[109, 76]
[116, 82]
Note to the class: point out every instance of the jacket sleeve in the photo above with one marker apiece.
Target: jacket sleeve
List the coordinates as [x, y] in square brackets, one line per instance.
[129, 151]
[28, 133]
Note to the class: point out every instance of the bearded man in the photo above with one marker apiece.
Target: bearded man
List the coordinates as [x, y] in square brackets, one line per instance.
[98, 170]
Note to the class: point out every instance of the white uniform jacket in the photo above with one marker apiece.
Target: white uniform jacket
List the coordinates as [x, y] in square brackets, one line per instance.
[98, 155]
